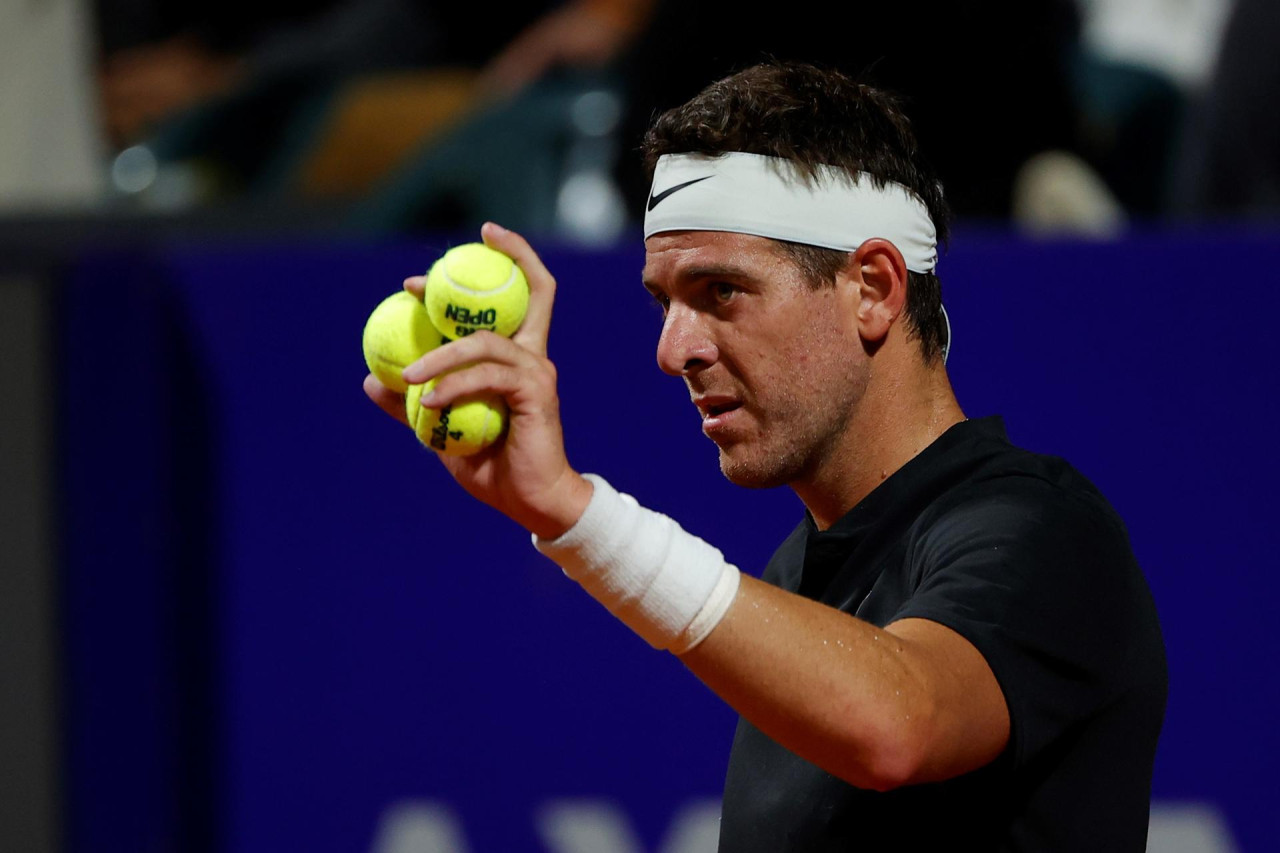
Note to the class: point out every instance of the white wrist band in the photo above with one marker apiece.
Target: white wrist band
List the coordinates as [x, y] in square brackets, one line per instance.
[667, 585]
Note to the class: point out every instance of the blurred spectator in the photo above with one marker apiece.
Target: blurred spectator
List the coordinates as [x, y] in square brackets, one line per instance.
[160, 58]
[584, 33]
[1057, 115]
[257, 93]
[1136, 68]
[1177, 39]
[988, 85]
[1229, 162]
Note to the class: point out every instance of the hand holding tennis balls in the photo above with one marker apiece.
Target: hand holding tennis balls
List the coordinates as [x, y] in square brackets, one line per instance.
[526, 476]
[470, 288]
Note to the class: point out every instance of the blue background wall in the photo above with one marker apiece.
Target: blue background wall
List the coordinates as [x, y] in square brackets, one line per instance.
[283, 617]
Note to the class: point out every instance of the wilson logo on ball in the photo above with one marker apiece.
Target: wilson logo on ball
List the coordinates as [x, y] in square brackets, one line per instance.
[440, 432]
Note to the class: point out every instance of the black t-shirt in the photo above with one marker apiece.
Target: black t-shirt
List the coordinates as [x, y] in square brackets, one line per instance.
[1021, 555]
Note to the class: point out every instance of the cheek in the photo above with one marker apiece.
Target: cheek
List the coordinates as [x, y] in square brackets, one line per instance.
[790, 379]
[794, 353]
[815, 372]
[811, 349]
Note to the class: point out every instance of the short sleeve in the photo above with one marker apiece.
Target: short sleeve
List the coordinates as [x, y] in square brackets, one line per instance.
[1042, 581]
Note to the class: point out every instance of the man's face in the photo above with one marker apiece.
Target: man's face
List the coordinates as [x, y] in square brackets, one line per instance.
[774, 365]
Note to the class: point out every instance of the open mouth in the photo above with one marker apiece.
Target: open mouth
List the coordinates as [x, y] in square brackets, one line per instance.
[721, 408]
[712, 409]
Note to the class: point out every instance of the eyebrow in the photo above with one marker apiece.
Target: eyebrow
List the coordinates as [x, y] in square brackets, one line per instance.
[701, 271]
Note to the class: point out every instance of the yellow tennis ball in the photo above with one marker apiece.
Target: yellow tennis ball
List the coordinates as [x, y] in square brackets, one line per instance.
[473, 287]
[466, 426]
[397, 334]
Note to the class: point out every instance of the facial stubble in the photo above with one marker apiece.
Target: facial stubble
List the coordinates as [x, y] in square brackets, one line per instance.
[802, 429]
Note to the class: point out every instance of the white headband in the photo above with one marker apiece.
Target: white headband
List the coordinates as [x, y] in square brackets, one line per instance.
[769, 197]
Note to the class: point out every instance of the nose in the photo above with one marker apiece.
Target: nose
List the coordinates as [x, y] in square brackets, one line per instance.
[684, 346]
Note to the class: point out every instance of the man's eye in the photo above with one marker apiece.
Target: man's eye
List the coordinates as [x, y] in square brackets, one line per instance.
[723, 291]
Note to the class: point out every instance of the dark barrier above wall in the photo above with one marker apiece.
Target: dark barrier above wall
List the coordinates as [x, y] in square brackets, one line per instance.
[287, 629]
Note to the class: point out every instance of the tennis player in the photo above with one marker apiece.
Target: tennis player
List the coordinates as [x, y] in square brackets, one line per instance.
[955, 648]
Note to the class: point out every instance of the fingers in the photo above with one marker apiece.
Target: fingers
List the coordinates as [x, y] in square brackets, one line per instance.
[511, 383]
[389, 401]
[482, 346]
[485, 363]
[416, 284]
[542, 286]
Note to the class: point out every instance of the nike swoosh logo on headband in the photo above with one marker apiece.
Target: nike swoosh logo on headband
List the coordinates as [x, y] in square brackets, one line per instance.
[655, 200]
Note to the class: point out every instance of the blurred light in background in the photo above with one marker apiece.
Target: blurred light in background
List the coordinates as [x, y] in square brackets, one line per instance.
[589, 206]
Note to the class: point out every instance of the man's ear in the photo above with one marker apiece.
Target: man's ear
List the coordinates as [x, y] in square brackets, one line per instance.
[882, 292]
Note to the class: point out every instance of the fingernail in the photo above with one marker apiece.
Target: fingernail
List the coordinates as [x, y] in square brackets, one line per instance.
[496, 227]
[427, 396]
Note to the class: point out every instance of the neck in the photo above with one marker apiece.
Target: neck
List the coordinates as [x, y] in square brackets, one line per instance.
[901, 413]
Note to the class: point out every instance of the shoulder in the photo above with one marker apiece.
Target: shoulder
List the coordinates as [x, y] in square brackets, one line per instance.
[1028, 542]
[1026, 501]
[1029, 533]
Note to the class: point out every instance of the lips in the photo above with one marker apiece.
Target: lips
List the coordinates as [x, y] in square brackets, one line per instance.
[719, 415]
[711, 407]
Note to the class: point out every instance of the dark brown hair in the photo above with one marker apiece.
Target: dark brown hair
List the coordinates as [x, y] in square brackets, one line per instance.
[814, 116]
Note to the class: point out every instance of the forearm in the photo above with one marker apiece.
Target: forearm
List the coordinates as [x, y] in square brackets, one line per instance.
[841, 693]
[878, 707]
